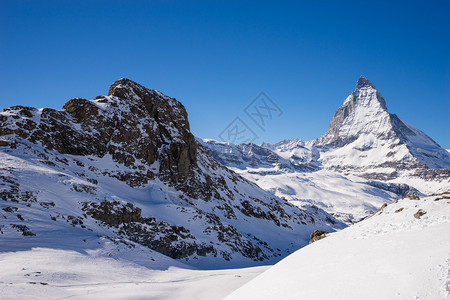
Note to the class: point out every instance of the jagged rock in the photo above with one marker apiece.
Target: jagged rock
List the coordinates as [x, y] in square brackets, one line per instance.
[174, 241]
[25, 230]
[419, 213]
[317, 235]
[131, 123]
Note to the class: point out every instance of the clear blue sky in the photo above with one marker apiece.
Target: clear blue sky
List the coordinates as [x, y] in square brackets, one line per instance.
[216, 56]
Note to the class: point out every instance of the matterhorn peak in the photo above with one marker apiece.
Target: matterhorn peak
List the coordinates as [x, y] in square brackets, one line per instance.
[367, 95]
[363, 82]
[364, 123]
[363, 112]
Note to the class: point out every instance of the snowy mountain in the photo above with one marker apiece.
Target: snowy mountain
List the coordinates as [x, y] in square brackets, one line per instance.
[122, 174]
[120, 183]
[367, 157]
[382, 146]
[402, 252]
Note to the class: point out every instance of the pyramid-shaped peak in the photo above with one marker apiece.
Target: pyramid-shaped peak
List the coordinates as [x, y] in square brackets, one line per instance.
[363, 82]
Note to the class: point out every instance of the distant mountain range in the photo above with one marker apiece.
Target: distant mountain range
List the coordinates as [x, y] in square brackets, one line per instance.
[367, 157]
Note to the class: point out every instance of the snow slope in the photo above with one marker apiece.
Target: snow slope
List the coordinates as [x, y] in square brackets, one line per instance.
[402, 252]
[50, 204]
[282, 170]
[43, 273]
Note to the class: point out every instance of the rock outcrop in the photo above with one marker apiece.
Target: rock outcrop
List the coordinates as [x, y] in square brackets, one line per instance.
[317, 235]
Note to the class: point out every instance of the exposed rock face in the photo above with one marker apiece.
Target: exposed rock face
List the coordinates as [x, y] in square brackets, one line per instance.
[317, 235]
[419, 213]
[363, 82]
[171, 240]
[126, 166]
[132, 124]
[397, 188]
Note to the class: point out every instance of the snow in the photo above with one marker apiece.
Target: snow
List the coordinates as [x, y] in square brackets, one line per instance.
[62, 183]
[389, 255]
[54, 273]
[372, 145]
[347, 197]
[336, 194]
[392, 255]
[89, 263]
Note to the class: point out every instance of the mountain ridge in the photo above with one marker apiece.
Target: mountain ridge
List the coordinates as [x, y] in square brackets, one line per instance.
[126, 167]
[364, 147]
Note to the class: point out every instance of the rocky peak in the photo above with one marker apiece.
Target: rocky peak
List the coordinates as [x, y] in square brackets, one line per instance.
[159, 106]
[133, 124]
[363, 112]
[366, 129]
[363, 82]
[179, 200]
[122, 85]
[367, 95]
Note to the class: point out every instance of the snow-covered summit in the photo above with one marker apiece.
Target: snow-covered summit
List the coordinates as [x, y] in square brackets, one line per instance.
[363, 112]
[364, 124]
[367, 156]
[284, 144]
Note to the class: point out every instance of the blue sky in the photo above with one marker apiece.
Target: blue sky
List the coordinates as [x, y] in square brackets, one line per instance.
[217, 56]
